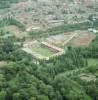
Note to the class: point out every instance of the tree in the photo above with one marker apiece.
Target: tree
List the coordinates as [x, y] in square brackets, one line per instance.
[2, 95]
[42, 97]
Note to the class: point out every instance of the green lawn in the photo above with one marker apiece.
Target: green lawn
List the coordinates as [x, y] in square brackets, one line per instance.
[92, 62]
[43, 51]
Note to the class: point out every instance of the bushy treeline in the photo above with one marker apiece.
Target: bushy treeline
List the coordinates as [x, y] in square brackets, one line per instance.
[70, 27]
[62, 29]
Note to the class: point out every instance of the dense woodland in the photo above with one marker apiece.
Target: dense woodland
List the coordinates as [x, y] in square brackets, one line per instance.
[21, 79]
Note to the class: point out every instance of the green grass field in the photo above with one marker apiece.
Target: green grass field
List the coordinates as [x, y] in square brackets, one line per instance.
[92, 62]
[43, 51]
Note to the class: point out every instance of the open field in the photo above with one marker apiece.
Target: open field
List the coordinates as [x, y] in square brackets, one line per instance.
[76, 38]
[83, 39]
[61, 39]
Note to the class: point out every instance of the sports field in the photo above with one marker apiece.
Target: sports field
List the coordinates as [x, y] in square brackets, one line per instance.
[84, 39]
[43, 51]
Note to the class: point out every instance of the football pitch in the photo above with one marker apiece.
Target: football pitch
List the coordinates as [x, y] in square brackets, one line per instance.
[43, 51]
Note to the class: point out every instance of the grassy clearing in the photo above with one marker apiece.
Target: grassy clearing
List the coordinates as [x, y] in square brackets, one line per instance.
[10, 28]
[92, 62]
[2, 63]
[43, 51]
